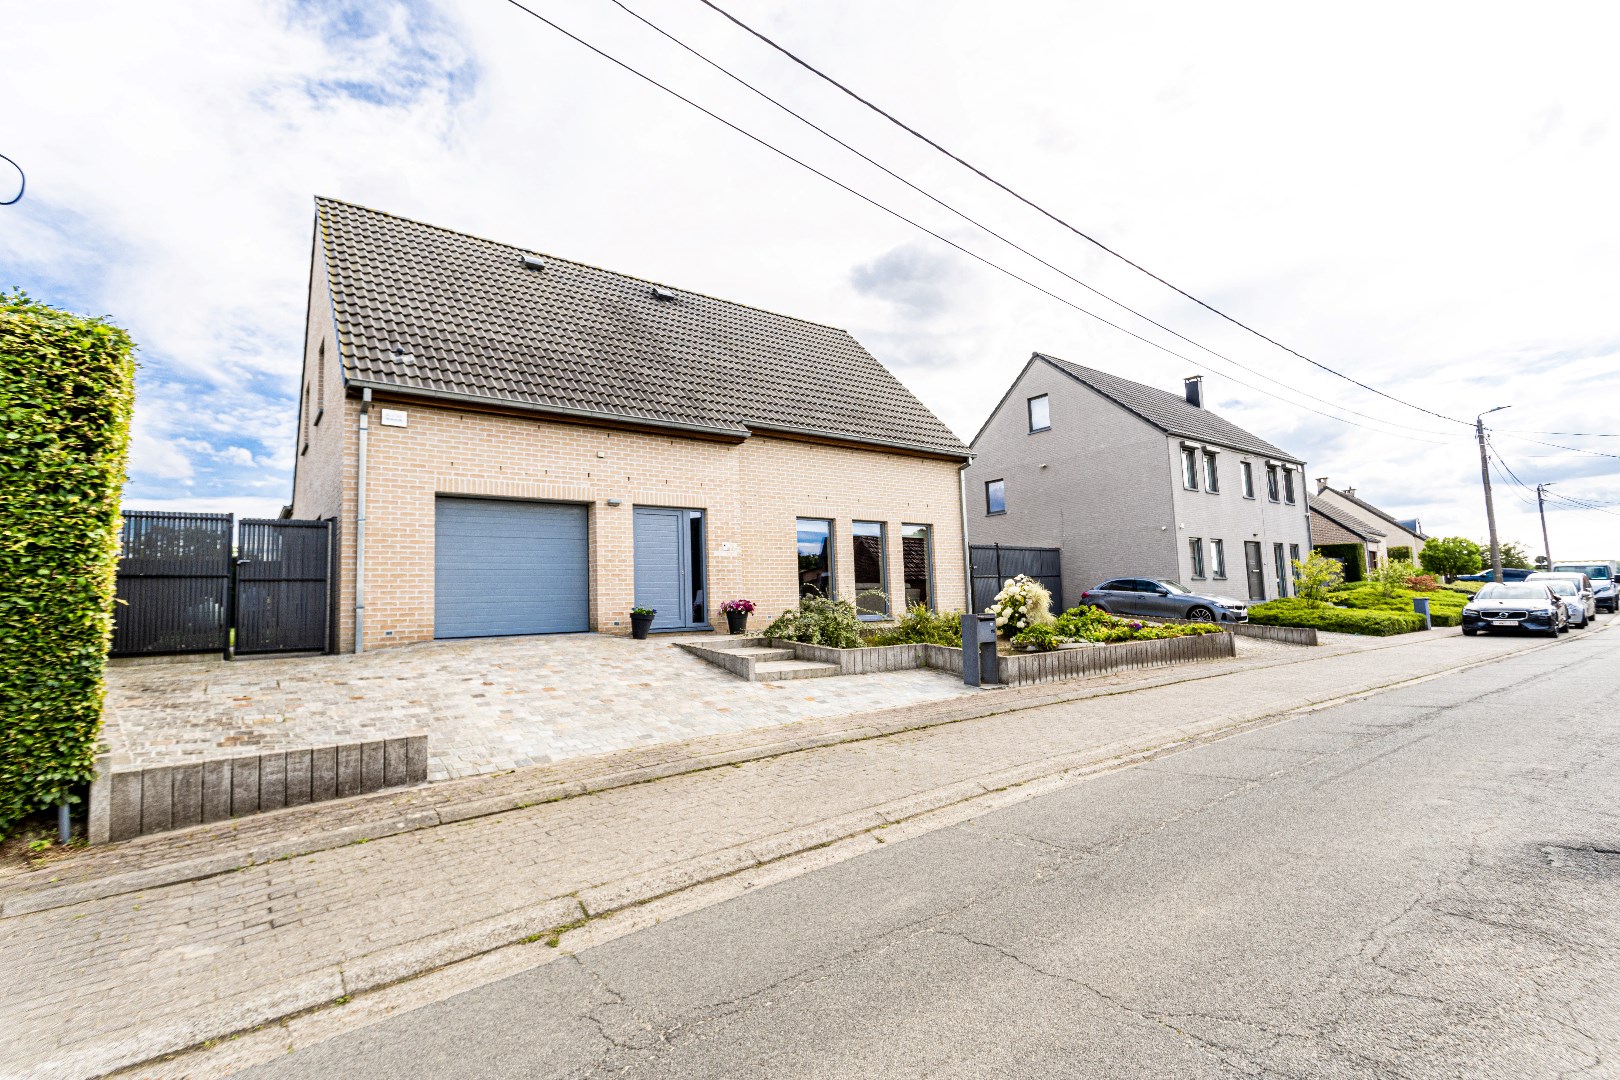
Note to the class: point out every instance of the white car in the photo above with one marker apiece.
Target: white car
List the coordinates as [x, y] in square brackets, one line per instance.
[1575, 591]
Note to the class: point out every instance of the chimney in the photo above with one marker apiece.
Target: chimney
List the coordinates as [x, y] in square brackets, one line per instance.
[1195, 390]
[1350, 491]
[1321, 484]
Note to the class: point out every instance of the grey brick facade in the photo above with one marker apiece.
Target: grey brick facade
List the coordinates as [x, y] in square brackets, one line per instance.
[1104, 484]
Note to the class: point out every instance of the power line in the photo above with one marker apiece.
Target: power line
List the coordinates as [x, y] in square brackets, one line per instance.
[1582, 505]
[22, 181]
[1556, 446]
[1060, 221]
[739, 80]
[915, 224]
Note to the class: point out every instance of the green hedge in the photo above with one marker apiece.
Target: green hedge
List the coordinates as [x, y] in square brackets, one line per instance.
[1313, 613]
[67, 386]
[1445, 606]
[1353, 557]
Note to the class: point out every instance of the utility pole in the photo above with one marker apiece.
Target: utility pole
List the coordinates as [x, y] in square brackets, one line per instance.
[1485, 475]
[1541, 505]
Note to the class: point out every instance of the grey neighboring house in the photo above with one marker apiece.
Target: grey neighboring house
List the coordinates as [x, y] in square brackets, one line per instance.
[1130, 480]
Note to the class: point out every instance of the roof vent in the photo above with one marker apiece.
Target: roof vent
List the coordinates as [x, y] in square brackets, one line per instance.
[534, 262]
[661, 293]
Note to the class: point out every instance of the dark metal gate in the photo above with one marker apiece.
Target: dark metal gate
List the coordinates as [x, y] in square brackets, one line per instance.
[182, 590]
[282, 568]
[993, 564]
[174, 584]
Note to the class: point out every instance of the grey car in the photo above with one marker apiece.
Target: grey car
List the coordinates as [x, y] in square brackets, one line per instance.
[1162, 598]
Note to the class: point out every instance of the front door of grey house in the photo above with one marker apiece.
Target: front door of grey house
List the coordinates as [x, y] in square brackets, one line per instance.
[1256, 568]
[505, 566]
[670, 576]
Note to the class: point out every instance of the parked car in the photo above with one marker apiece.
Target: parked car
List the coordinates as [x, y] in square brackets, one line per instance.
[1164, 599]
[1585, 603]
[1509, 573]
[1578, 606]
[1515, 606]
[1605, 577]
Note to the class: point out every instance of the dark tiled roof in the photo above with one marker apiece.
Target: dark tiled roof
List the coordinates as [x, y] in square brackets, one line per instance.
[427, 309]
[1170, 412]
[1373, 510]
[1349, 522]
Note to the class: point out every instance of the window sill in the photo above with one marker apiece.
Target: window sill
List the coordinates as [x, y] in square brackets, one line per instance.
[875, 618]
[305, 450]
[318, 414]
[995, 513]
[1038, 430]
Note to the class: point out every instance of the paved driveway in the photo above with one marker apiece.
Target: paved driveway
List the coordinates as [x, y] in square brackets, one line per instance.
[486, 705]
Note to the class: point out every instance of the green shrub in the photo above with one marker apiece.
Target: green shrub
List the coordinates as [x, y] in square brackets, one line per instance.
[1094, 624]
[919, 626]
[1445, 607]
[1468, 588]
[1040, 637]
[67, 386]
[1400, 553]
[1316, 575]
[1451, 556]
[1295, 611]
[1022, 602]
[1352, 557]
[819, 621]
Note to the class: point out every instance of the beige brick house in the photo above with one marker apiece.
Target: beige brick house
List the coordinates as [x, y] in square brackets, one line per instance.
[513, 443]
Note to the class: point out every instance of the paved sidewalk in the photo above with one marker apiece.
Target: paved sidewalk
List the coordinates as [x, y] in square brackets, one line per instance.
[123, 979]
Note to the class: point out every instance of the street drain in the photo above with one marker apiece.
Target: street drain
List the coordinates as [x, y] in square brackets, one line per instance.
[1583, 859]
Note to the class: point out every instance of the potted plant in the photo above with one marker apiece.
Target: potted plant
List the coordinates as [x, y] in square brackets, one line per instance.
[737, 612]
[641, 621]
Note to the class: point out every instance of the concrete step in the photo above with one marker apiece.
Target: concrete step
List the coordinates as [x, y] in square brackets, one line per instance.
[733, 644]
[778, 670]
[764, 653]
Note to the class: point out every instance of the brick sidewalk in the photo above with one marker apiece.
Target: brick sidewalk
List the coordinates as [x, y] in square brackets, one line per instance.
[118, 980]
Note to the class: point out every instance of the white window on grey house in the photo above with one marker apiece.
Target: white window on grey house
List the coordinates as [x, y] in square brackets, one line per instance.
[1217, 558]
[1189, 468]
[1212, 479]
[1040, 413]
[1196, 547]
[1271, 482]
[1248, 480]
[1288, 486]
[995, 496]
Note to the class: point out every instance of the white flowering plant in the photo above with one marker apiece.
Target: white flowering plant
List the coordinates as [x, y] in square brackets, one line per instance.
[1022, 603]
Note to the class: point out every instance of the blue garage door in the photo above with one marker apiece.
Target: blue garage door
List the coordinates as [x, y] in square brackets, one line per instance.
[507, 567]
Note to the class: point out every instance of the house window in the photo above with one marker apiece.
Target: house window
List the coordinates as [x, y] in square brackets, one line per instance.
[995, 496]
[1040, 413]
[320, 384]
[1212, 479]
[1217, 557]
[815, 557]
[1248, 480]
[1282, 570]
[917, 553]
[871, 571]
[1189, 468]
[1271, 482]
[1288, 486]
[1196, 547]
[305, 448]
[1293, 561]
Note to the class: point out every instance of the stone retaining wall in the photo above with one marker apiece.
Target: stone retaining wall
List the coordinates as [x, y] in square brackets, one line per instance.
[132, 802]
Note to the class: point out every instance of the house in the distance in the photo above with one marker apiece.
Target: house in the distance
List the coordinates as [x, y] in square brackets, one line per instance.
[1132, 481]
[1341, 535]
[515, 443]
[1394, 534]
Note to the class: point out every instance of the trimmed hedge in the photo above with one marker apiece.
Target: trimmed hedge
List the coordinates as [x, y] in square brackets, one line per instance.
[1320, 616]
[1353, 557]
[1445, 607]
[67, 387]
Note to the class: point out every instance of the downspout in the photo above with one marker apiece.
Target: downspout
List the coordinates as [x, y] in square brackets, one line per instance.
[360, 531]
[967, 549]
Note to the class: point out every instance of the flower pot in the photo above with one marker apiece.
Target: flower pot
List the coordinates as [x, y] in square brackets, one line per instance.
[736, 622]
[639, 625]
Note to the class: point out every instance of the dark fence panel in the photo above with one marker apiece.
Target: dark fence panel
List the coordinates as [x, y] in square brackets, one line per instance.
[282, 571]
[174, 576]
[993, 564]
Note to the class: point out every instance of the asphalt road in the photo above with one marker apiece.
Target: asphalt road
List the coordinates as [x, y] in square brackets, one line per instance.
[1423, 883]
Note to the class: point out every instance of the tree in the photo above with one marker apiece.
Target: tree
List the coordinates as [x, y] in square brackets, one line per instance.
[1318, 576]
[1451, 556]
[1393, 575]
[1515, 556]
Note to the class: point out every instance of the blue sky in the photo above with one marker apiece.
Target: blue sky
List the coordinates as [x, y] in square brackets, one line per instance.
[1430, 210]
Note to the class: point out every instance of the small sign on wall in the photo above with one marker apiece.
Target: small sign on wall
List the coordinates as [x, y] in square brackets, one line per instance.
[728, 549]
[393, 418]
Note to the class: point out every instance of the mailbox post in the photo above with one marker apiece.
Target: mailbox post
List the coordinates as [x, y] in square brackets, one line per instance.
[979, 651]
[1420, 604]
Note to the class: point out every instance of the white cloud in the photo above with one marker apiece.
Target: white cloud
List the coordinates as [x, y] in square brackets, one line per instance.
[1428, 210]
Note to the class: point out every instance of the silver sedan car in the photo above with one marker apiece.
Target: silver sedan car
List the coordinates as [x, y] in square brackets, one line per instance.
[1581, 606]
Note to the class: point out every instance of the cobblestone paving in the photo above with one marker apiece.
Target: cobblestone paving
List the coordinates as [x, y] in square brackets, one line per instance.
[110, 980]
[486, 706]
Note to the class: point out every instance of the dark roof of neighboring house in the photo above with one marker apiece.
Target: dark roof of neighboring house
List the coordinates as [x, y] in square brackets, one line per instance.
[1169, 412]
[1345, 520]
[427, 310]
[1375, 512]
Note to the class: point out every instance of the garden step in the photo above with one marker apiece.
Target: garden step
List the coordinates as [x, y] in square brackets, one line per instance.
[764, 653]
[778, 670]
